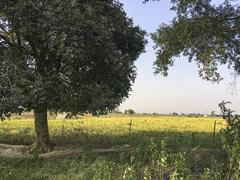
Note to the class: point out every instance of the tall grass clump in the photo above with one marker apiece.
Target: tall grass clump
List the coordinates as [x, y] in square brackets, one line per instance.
[153, 160]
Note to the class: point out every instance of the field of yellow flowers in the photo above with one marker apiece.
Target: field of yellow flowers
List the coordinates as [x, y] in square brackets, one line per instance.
[114, 130]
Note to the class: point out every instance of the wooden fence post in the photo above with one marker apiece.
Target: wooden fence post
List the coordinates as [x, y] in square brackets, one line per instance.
[214, 134]
[130, 127]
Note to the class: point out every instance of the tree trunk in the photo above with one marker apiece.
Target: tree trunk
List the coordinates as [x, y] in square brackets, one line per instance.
[42, 141]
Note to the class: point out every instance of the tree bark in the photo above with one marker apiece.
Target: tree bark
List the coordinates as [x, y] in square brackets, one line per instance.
[42, 142]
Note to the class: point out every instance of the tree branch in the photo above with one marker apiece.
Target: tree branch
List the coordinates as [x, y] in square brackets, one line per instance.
[4, 38]
[15, 45]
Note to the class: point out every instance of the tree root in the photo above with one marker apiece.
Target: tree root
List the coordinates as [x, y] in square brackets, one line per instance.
[40, 149]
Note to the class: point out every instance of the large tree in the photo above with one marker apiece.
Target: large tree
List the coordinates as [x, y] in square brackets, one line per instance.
[206, 32]
[71, 56]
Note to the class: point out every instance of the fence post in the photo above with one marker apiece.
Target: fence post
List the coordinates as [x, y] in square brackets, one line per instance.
[62, 133]
[214, 134]
[193, 139]
[130, 127]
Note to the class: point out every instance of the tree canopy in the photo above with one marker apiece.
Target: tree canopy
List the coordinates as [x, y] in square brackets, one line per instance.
[70, 56]
[205, 32]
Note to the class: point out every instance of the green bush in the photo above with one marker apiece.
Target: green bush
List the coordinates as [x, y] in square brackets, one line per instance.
[231, 141]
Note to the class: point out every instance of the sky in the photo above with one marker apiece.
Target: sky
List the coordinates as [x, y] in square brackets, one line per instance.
[182, 91]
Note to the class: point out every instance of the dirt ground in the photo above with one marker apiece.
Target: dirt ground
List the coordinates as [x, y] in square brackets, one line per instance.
[20, 151]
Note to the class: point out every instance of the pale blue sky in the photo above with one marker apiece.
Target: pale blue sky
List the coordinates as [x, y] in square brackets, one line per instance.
[183, 90]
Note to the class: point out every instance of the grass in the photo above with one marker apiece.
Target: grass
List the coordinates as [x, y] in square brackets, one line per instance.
[165, 143]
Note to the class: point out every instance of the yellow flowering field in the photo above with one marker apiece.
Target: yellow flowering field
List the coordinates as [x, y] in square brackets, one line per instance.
[114, 130]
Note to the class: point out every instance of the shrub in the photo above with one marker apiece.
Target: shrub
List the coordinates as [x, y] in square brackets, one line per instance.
[231, 140]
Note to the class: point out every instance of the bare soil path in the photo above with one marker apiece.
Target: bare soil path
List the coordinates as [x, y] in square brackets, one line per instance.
[20, 151]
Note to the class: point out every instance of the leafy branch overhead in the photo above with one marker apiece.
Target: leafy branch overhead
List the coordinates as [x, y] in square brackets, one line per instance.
[206, 33]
